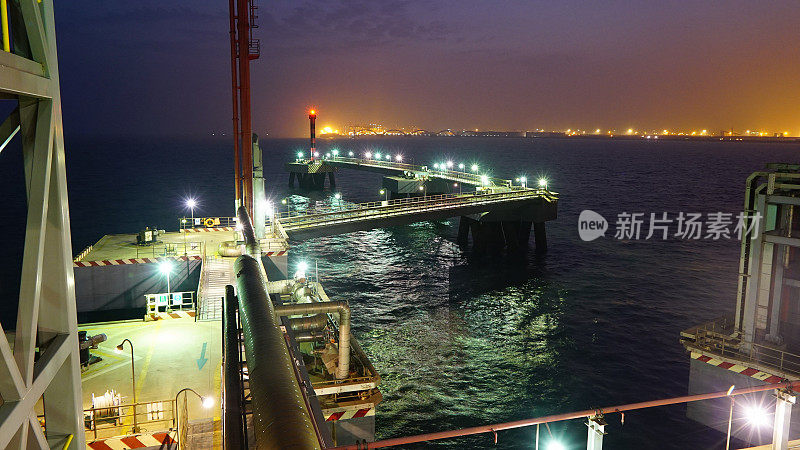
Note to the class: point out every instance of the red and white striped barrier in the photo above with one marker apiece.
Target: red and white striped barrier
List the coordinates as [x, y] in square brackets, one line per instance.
[279, 253]
[119, 262]
[332, 415]
[744, 370]
[200, 230]
[172, 315]
[155, 440]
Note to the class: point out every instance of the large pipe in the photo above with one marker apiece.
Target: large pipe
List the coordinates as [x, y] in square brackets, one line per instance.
[233, 428]
[343, 370]
[316, 322]
[237, 170]
[246, 141]
[281, 419]
[250, 242]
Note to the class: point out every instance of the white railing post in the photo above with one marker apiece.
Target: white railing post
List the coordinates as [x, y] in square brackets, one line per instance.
[597, 429]
[783, 416]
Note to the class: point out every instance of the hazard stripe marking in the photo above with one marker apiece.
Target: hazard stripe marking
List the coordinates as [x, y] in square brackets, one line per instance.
[99, 445]
[132, 442]
[747, 371]
[335, 416]
[361, 413]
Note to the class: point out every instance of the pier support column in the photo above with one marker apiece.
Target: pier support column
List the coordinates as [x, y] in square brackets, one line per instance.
[783, 416]
[541, 237]
[292, 175]
[463, 230]
[511, 229]
[332, 179]
[524, 233]
[597, 429]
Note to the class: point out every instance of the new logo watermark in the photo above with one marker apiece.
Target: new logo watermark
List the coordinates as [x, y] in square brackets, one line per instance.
[631, 226]
[591, 225]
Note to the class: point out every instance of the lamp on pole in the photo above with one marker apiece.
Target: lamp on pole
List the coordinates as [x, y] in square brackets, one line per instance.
[166, 268]
[730, 419]
[191, 203]
[385, 194]
[133, 379]
[208, 402]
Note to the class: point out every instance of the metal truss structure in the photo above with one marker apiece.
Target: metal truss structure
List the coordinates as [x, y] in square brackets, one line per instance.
[44, 363]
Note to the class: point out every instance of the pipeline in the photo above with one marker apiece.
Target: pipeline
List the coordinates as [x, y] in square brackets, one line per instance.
[252, 247]
[316, 322]
[343, 370]
[233, 425]
[280, 417]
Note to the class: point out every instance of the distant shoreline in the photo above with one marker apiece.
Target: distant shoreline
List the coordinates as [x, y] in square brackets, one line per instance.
[624, 137]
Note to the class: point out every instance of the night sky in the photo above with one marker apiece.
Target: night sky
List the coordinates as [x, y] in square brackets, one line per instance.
[162, 68]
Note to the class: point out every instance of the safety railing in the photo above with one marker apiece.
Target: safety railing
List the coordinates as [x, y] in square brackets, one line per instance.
[4, 27]
[715, 337]
[453, 175]
[83, 254]
[189, 248]
[172, 301]
[117, 420]
[371, 210]
[205, 222]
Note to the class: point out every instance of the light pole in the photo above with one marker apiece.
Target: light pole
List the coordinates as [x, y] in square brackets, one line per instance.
[133, 379]
[385, 194]
[191, 203]
[456, 185]
[285, 202]
[208, 402]
[730, 419]
[166, 268]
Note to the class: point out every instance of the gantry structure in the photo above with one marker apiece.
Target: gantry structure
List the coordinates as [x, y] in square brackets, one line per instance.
[43, 364]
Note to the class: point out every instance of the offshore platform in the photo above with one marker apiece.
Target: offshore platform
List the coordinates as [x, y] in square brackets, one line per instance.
[237, 347]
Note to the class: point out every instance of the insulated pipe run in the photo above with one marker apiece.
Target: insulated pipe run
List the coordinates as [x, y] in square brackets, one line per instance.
[251, 243]
[281, 419]
[343, 370]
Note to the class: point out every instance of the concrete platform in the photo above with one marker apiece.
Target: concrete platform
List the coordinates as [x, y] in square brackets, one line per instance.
[169, 355]
[123, 246]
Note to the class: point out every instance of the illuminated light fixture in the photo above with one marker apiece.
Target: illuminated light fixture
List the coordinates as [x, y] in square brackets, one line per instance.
[449, 164]
[388, 157]
[543, 182]
[301, 270]
[118, 349]
[555, 445]
[377, 156]
[335, 152]
[350, 154]
[208, 402]
[283, 201]
[630, 130]
[165, 267]
[299, 155]
[436, 166]
[484, 180]
[461, 166]
[399, 158]
[421, 188]
[597, 131]
[382, 191]
[191, 203]
[368, 155]
[316, 154]
[474, 167]
[756, 416]
[337, 196]
[312, 112]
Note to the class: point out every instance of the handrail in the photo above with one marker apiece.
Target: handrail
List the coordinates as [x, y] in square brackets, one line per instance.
[707, 338]
[596, 412]
[446, 174]
[429, 199]
[376, 209]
